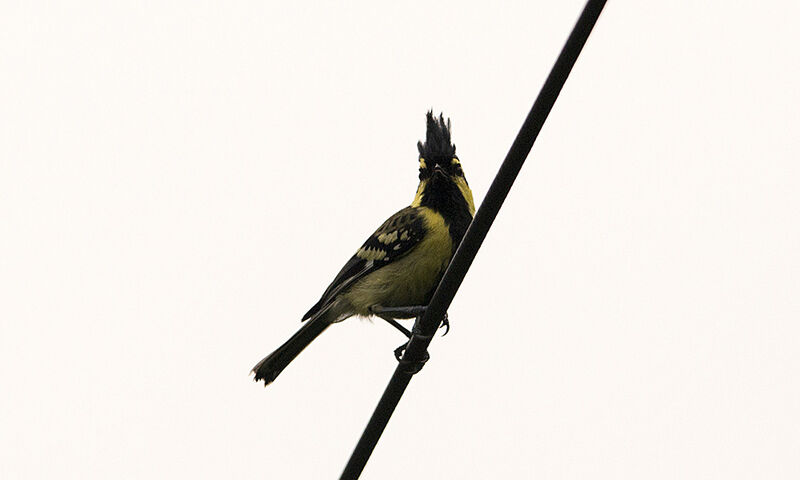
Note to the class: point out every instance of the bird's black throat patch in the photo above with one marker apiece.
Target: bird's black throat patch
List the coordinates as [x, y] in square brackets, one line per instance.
[443, 196]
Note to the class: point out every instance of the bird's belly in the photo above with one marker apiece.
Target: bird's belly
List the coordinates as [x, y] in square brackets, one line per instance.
[407, 281]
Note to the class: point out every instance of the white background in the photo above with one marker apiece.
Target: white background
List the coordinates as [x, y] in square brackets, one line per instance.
[180, 181]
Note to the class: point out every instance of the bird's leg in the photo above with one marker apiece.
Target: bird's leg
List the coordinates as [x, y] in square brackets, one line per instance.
[379, 311]
[390, 313]
[399, 312]
[395, 324]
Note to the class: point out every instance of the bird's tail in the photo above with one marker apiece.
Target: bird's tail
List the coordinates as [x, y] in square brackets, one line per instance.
[274, 363]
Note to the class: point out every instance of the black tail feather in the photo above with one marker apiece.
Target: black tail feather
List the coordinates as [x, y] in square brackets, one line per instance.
[274, 363]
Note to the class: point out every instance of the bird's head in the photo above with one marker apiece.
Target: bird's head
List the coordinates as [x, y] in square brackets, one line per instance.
[441, 177]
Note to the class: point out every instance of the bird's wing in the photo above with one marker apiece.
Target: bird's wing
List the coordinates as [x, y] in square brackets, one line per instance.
[395, 238]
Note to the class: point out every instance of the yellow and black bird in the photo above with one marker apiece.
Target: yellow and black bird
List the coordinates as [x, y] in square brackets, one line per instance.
[395, 272]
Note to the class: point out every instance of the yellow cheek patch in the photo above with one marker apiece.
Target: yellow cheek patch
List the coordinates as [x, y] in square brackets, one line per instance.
[467, 193]
[418, 197]
[422, 163]
[455, 161]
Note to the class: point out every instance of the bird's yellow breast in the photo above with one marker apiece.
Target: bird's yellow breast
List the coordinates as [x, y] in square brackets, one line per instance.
[408, 280]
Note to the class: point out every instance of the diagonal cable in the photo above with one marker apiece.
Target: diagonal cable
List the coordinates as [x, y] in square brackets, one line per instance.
[426, 326]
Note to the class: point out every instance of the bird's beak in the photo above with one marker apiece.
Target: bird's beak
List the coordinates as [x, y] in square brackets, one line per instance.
[440, 170]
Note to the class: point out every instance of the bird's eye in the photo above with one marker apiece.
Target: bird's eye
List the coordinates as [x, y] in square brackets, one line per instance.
[455, 164]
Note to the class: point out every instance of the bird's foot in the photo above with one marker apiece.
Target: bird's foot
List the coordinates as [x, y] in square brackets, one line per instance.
[399, 351]
[411, 367]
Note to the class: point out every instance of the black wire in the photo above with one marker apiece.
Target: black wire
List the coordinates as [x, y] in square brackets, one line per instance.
[416, 350]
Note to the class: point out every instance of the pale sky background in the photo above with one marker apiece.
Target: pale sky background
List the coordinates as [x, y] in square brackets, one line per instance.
[179, 181]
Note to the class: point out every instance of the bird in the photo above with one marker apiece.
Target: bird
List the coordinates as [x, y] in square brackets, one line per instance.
[396, 270]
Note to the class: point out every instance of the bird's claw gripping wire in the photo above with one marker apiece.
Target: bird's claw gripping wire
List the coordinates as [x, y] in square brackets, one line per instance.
[445, 324]
[390, 313]
[409, 366]
[412, 366]
[398, 352]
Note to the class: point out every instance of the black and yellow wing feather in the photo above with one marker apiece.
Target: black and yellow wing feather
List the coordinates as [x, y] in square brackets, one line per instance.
[394, 239]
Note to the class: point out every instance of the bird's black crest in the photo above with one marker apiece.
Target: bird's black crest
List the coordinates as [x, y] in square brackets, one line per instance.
[437, 139]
